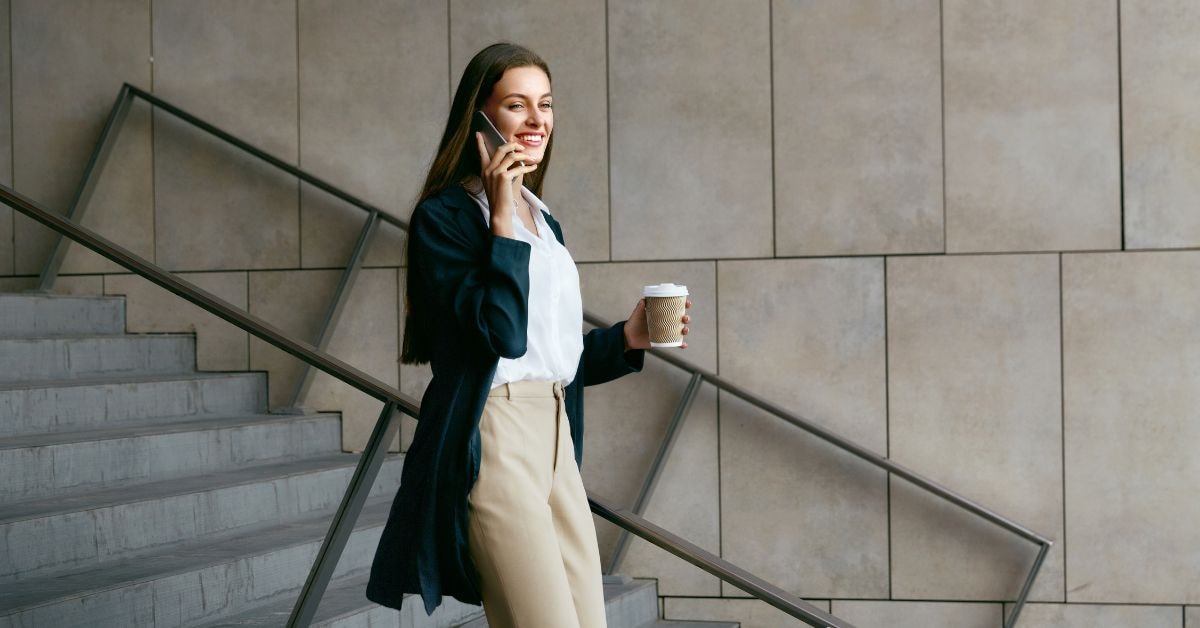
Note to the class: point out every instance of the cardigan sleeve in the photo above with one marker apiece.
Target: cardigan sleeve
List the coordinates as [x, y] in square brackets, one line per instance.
[485, 288]
[605, 358]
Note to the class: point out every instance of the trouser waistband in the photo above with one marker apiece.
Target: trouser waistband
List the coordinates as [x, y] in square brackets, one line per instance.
[527, 388]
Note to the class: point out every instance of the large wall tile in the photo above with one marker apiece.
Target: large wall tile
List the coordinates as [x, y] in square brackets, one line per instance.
[121, 207]
[1192, 615]
[686, 501]
[220, 346]
[69, 60]
[576, 188]
[1093, 616]
[365, 338]
[1131, 348]
[612, 290]
[295, 302]
[372, 104]
[809, 336]
[1031, 125]
[975, 405]
[690, 125]
[6, 156]
[1160, 65]
[879, 614]
[858, 127]
[234, 65]
[627, 421]
[749, 613]
[329, 230]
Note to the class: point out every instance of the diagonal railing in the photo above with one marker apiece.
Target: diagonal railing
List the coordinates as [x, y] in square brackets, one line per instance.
[376, 449]
[699, 376]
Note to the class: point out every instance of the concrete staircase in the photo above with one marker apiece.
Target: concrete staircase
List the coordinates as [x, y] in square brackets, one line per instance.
[136, 491]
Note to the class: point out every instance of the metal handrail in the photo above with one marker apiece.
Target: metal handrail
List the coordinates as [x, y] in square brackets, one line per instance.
[699, 376]
[375, 450]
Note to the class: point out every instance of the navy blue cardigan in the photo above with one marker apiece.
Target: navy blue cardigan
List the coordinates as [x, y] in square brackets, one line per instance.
[475, 291]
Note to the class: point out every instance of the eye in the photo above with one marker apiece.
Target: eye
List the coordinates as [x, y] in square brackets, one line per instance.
[547, 105]
[516, 106]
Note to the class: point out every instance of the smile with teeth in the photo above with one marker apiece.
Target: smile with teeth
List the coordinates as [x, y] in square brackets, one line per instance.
[532, 139]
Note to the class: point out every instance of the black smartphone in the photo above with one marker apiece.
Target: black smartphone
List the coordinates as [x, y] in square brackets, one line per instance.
[491, 136]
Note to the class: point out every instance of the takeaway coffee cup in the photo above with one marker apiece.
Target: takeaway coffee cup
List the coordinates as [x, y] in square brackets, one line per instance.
[665, 305]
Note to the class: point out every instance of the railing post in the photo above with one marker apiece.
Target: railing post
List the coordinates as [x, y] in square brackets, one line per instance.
[655, 471]
[83, 194]
[334, 312]
[1011, 620]
[342, 525]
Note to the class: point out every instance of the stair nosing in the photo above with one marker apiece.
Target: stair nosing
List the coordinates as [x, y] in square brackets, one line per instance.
[110, 497]
[132, 379]
[160, 425]
[75, 336]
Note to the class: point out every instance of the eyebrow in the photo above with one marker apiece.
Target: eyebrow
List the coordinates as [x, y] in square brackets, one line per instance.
[522, 95]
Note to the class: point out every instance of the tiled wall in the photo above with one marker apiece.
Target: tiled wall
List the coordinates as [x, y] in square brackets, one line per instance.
[964, 233]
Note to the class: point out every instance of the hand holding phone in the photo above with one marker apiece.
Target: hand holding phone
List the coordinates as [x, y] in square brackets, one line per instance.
[491, 135]
[499, 171]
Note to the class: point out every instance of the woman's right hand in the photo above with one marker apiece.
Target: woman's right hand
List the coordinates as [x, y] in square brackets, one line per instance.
[498, 176]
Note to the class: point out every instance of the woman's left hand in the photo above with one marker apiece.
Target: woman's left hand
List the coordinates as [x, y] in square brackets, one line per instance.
[637, 335]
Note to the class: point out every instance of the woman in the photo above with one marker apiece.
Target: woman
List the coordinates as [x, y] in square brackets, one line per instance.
[491, 507]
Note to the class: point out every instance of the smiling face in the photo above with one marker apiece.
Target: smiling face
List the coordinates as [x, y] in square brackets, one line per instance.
[521, 107]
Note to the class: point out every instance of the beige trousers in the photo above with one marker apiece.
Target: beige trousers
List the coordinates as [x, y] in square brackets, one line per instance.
[531, 533]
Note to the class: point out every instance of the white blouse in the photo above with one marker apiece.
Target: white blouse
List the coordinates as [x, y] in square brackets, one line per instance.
[555, 334]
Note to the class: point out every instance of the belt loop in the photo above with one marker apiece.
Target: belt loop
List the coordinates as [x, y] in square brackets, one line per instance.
[508, 392]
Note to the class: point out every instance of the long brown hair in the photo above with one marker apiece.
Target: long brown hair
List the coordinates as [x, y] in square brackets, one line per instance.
[457, 161]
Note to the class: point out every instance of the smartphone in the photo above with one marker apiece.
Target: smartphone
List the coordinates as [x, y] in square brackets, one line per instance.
[491, 136]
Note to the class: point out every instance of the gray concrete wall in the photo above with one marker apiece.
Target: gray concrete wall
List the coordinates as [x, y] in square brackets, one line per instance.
[964, 233]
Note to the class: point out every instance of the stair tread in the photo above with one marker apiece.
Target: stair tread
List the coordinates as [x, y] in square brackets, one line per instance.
[94, 336]
[159, 425]
[613, 591]
[91, 500]
[180, 558]
[691, 623]
[132, 379]
[344, 598]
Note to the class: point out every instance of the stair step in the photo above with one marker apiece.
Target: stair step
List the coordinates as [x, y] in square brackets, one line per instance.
[345, 605]
[633, 604]
[187, 584]
[628, 603]
[53, 406]
[58, 315]
[70, 357]
[41, 538]
[45, 465]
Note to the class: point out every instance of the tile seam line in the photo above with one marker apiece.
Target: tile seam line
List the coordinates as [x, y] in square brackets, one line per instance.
[153, 161]
[942, 88]
[1062, 397]
[771, 96]
[299, 148]
[608, 124]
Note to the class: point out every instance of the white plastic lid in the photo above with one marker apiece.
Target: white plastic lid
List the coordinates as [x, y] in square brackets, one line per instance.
[665, 290]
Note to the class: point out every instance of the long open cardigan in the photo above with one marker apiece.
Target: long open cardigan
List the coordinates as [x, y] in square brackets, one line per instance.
[474, 289]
